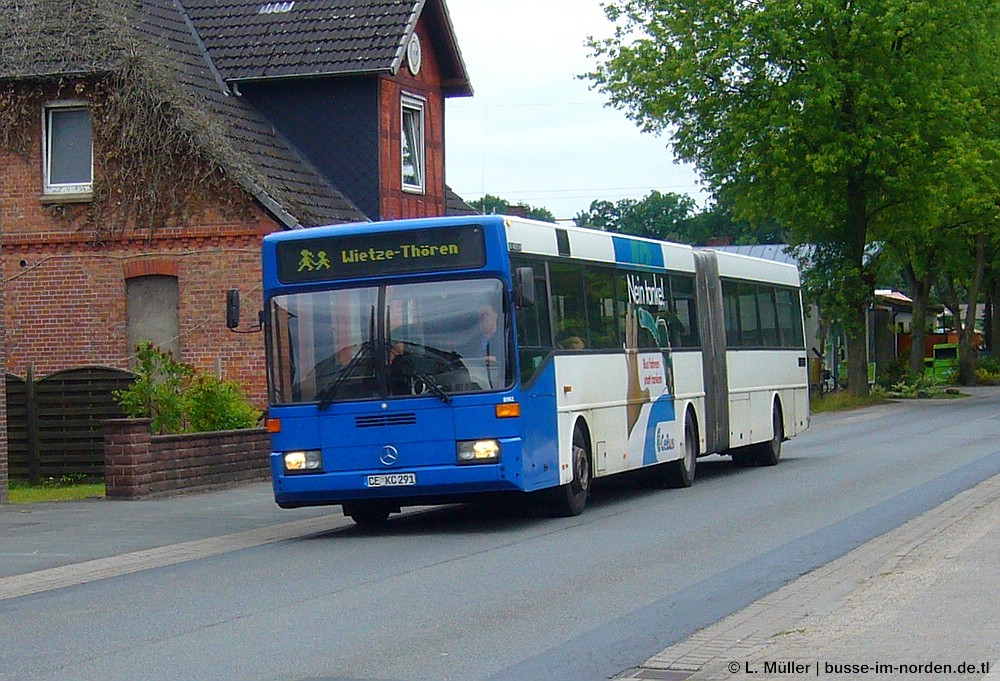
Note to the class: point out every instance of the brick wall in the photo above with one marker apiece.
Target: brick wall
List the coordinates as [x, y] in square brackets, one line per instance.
[66, 293]
[394, 202]
[3, 403]
[138, 464]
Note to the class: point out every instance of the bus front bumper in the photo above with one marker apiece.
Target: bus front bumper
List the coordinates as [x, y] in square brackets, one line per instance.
[405, 486]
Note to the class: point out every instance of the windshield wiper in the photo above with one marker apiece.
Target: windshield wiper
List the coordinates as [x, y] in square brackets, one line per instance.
[367, 347]
[327, 394]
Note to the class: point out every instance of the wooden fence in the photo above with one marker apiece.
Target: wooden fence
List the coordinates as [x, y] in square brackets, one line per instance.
[54, 424]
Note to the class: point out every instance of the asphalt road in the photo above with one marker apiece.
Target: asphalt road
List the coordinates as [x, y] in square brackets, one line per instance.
[476, 593]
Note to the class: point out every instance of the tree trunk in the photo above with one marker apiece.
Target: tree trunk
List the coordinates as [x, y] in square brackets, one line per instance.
[966, 328]
[966, 341]
[920, 291]
[992, 330]
[856, 334]
[858, 289]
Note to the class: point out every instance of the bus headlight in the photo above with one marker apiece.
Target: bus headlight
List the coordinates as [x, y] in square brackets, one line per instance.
[308, 461]
[478, 451]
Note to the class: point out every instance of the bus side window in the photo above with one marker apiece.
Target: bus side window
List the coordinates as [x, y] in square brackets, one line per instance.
[534, 332]
[684, 331]
[568, 302]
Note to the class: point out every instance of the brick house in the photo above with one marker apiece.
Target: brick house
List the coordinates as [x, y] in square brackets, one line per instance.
[146, 146]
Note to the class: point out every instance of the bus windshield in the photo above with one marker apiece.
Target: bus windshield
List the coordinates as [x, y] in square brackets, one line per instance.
[393, 340]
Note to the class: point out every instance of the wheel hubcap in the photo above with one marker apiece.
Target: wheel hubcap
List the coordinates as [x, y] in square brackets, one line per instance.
[582, 471]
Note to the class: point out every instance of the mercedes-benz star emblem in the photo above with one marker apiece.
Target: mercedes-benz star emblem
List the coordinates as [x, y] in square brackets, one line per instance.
[389, 455]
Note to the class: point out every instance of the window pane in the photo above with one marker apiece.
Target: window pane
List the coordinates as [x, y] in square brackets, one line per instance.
[684, 329]
[599, 286]
[768, 317]
[534, 337]
[730, 301]
[789, 318]
[413, 147]
[570, 318]
[649, 318]
[70, 146]
[749, 326]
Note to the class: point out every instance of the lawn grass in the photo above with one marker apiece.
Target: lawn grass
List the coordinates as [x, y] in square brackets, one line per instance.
[841, 401]
[20, 492]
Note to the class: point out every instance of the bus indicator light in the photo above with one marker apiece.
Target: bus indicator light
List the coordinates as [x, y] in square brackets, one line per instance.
[274, 425]
[510, 410]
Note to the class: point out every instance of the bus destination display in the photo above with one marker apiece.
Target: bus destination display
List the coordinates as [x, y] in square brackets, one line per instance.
[366, 255]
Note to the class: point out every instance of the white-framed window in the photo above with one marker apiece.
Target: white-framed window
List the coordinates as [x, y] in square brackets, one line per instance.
[413, 151]
[68, 139]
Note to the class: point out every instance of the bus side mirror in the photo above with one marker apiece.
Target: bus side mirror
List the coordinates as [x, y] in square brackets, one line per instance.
[232, 308]
[524, 287]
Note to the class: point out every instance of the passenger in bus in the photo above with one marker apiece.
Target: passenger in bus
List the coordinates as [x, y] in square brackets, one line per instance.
[573, 343]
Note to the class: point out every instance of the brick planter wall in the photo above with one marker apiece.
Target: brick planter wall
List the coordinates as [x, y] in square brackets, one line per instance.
[138, 464]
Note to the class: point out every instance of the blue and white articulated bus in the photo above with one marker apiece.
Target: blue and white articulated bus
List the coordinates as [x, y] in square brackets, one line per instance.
[439, 360]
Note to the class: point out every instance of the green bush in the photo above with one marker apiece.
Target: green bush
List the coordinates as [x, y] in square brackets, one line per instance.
[180, 399]
[990, 364]
[986, 377]
[913, 386]
[218, 405]
[895, 371]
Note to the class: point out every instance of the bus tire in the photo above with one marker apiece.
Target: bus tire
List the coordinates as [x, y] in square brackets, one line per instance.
[368, 514]
[768, 453]
[764, 453]
[680, 473]
[570, 499]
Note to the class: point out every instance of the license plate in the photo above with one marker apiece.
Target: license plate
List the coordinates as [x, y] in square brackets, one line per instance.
[392, 480]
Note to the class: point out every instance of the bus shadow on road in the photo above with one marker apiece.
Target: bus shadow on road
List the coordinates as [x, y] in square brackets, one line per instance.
[515, 512]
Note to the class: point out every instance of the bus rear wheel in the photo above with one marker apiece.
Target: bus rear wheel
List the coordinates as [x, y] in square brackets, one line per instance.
[570, 499]
[768, 453]
[765, 453]
[680, 473]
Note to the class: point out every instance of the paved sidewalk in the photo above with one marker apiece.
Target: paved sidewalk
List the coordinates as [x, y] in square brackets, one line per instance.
[906, 604]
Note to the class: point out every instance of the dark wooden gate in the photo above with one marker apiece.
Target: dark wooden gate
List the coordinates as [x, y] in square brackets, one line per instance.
[54, 424]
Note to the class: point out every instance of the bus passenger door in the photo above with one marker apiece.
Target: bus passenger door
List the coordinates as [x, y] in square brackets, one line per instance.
[539, 436]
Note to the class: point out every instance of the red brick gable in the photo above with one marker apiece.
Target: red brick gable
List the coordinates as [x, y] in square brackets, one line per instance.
[426, 85]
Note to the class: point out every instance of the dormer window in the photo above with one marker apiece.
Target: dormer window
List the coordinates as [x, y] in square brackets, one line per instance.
[69, 150]
[413, 153]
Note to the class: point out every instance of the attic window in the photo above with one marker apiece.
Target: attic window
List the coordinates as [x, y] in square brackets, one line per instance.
[69, 150]
[412, 139]
[276, 7]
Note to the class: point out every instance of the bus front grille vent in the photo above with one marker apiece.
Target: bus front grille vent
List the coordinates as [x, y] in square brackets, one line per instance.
[382, 420]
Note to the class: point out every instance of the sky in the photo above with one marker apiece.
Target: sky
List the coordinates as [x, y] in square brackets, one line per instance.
[534, 132]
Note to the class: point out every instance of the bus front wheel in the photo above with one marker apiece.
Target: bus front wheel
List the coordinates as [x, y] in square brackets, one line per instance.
[570, 499]
[368, 514]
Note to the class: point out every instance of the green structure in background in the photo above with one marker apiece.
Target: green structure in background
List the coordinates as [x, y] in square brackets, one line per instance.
[943, 361]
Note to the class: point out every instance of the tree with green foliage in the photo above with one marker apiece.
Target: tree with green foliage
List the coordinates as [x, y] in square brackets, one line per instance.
[717, 222]
[657, 216]
[494, 205]
[674, 217]
[808, 112]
